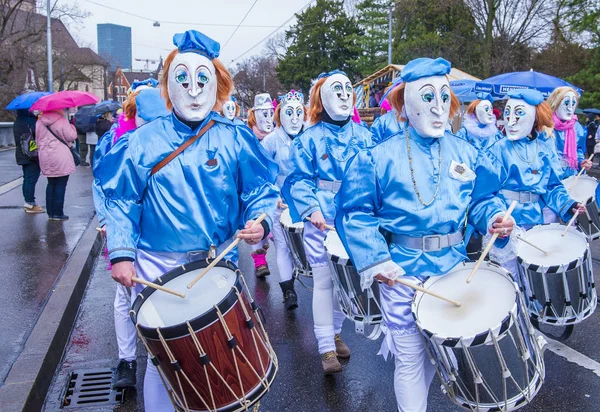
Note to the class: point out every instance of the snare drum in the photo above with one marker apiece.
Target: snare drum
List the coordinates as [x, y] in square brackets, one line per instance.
[560, 285]
[583, 190]
[211, 347]
[485, 351]
[294, 237]
[361, 306]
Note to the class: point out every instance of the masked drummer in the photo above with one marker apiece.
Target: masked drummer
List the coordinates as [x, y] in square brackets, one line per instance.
[529, 172]
[194, 203]
[231, 110]
[402, 207]
[316, 169]
[143, 105]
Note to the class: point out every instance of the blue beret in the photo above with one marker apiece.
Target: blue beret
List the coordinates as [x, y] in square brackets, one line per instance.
[148, 82]
[150, 104]
[196, 42]
[233, 99]
[425, 67]
[530, 96]
[331, 73]
[485, 96]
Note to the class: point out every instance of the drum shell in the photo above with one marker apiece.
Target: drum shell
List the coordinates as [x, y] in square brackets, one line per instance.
[209, 331]
[589, 222]
[294, 237]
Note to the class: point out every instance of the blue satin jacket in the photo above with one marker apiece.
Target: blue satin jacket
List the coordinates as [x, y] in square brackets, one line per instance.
[385, 126]
[320, 153]
[378, 194]
[478, 142]
[197, 200]
[531, 166]
[279, 145]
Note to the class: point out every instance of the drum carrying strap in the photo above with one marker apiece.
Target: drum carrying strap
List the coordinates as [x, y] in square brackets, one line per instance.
[181, 148]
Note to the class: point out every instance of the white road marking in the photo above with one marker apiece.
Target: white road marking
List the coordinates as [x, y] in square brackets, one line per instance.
[572, 355]
[11, 185]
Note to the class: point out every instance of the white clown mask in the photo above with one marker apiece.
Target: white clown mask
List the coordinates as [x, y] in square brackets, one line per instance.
[519, 117]
[567, 107]
[337, 96]
[291, 116]
[192, 86]
[427, 105]
[485, 112]
[229, 109]
[264, 119]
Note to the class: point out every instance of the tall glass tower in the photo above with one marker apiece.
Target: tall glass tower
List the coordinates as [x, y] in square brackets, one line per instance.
[114, 45]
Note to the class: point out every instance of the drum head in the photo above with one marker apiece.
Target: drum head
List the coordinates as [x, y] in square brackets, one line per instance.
[335, 247]
[161, 309]
[562, 250]
[486, 303]
[286, 220]
[581, 189]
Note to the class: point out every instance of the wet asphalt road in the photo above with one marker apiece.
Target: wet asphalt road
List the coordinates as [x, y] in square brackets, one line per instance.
[33, 251]
[366, 383]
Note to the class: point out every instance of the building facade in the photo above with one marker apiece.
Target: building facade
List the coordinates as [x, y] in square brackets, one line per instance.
[114, 45]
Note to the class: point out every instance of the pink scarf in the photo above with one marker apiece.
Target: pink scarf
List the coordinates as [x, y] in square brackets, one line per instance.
[259, 133]
[570, 149]
[123, 127]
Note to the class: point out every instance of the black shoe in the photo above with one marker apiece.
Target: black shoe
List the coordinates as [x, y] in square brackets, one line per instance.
[84, 164]
[290, 298]
[61, 217]
[125, 374]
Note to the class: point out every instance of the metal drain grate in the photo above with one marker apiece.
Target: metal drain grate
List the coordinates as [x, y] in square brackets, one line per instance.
[91, 387]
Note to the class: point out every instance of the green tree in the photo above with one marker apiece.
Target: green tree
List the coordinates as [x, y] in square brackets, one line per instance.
[323, 39]
[432, 28]
[372, 17]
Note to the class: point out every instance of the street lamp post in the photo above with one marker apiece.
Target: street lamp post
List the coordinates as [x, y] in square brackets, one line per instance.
[49, 46]
[390, 10]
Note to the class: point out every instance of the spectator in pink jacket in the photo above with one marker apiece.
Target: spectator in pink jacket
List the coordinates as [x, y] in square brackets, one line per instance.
[54, 136]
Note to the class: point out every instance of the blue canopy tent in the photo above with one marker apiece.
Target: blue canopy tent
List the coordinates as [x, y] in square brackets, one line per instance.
[501, 84]
[464, 90]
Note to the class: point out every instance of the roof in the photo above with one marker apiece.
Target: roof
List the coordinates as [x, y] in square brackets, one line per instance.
[132, 76]
[391, 71]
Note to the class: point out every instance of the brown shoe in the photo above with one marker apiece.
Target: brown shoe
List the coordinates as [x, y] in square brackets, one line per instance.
[33, 209]
[262, 271]
[330, 363]
[340, 348]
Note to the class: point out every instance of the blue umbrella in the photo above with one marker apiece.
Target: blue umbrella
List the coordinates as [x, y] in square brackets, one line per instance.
[106, 106]
[501, 84]
[464, 90]
[591, 111]
[84, 119]
[25, 101]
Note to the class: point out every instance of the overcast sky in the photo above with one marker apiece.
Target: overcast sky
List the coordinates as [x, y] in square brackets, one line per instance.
[176, 16]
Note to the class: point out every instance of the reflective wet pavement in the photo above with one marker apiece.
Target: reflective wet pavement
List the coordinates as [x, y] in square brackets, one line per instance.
[33, 251]
[366, 383]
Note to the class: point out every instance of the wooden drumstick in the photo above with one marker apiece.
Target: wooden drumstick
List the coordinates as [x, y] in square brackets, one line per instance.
[99, 229]
[570, 222]
[326, 225]
[224, 253]
[157, 287]
[582, 169]
[428, 292]
[532, 245]
[491, 242]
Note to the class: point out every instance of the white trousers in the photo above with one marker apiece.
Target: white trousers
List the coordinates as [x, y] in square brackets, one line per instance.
[124, 327]
[285, 263]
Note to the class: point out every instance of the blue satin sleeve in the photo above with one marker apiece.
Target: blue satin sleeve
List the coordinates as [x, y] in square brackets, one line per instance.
[299, 189]
[357, 202]
[385, 126]
[103, 147]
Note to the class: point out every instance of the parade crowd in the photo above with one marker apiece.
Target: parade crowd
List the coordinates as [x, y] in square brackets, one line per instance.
[179, 179]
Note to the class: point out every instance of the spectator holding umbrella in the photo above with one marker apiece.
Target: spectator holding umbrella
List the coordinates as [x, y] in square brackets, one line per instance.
[103, 125]
[25, 125]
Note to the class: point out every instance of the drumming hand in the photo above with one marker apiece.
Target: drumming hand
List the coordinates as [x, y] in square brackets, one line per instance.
[281, 205]
[504, 229]
[252, 234]
[386, 280]
[103, 231]
[586, 164]
[122, 272]
[318, 220]
[580, 208]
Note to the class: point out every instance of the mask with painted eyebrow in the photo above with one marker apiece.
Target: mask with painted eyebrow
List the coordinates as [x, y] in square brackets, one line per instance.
[519, 118]
[292, 117]
[338, 102]
[566, 110]
[427, 104]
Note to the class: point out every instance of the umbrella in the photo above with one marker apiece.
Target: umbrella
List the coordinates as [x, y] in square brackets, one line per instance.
[26, 100]
[591, 111]
[106, 106]
[464, 90]
[85, 120]
[501, 84]
[64, 100]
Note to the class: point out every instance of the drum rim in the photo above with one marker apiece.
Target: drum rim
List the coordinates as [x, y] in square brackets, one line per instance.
[574, 264]
[479, 338]
[198, 323]
[335, 258]
[588, 177]
[291, 228]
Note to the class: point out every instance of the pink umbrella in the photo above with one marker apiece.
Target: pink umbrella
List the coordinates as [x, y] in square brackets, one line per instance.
[64, 100]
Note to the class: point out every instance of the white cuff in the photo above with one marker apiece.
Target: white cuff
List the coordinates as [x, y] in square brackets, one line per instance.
[387, 268]
[502, 255]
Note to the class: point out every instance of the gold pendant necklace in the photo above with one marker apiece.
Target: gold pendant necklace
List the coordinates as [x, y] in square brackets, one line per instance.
[412, 172]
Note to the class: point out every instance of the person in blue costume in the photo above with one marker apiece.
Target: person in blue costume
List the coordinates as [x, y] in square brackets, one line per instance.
[479, 125]
[569, 135]
[529, 172]
[192, 207]
[316, 170]
[143, 105]
[289, 118]
[387, 124]
[231, 110]
[402, 207]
